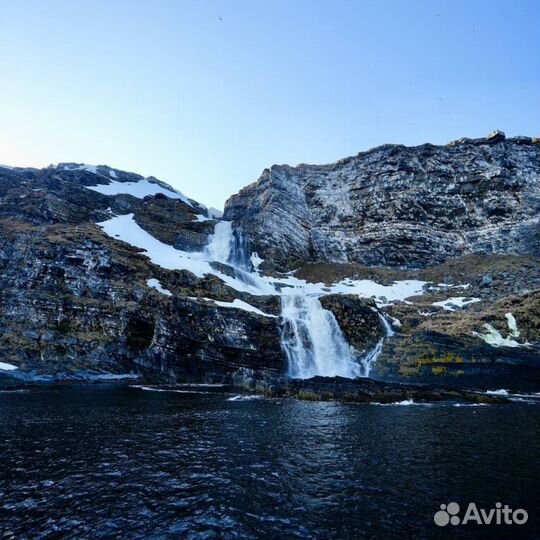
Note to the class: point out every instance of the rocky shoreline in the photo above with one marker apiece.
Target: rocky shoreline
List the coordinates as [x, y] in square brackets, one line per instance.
[315, 389]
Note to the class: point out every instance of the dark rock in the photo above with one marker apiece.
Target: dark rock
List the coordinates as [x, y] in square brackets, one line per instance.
[371, 391]
[357, 318]
[487, 280]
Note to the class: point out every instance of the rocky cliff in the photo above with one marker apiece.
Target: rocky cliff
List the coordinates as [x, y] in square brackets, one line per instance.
[423, 263]
[397, 206]
[76, 302]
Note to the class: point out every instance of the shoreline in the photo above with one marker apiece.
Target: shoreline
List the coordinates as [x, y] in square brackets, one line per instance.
[326, 389]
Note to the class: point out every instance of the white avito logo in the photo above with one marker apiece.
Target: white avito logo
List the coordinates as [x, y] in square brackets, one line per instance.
[500, 515]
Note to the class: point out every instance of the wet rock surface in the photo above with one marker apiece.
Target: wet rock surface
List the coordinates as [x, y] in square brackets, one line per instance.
[371, 391]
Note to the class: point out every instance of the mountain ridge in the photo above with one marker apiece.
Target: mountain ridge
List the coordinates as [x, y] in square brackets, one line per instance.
[335, 212]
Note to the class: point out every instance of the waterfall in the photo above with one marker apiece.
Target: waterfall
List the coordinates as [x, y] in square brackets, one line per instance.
[310, 335]
[370, 358]
[220, 243]
[240, 256]
[314, 344]
[388, 330]
[230, 247]
[313, 341]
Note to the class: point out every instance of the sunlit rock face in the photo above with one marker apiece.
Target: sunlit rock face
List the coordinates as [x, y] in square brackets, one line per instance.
[397, 206]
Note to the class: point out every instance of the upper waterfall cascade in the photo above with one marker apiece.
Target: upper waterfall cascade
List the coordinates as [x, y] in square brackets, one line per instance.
[220, 244]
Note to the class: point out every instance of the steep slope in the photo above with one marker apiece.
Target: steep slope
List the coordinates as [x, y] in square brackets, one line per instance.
[76, 302]
[397, 206]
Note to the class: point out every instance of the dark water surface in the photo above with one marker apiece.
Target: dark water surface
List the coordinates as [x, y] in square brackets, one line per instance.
[120, 462]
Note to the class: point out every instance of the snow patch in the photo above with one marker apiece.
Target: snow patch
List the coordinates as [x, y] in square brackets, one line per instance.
[236, 303]
[7, 367]
[494, 338]
[240, 304]
[155, 284]
[81, 167]
[200, 217]
[384, 295]
[139, 189]
[455, 302]
[512, 325]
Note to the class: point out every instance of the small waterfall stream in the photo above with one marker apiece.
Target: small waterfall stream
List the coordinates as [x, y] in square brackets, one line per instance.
[371, 357]
[388, 330]
[310, 336]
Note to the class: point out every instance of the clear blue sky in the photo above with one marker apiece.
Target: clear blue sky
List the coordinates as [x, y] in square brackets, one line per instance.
[205, 94]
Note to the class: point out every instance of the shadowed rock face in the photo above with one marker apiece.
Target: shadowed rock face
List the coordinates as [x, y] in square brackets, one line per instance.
[397, 206]
[357, 318]
[74, 300]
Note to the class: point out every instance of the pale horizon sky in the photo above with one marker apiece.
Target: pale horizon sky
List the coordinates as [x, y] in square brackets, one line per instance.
[205, 94]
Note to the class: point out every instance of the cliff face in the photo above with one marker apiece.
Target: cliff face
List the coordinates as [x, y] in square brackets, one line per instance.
[107, 272]
[76, 302]
[397, 206]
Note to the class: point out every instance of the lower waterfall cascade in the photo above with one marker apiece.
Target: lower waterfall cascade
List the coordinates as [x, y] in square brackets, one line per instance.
[313, 341]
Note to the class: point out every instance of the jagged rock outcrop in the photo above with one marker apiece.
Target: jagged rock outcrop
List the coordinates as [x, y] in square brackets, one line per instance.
[397, 205]
[74, 300]
[357, 318]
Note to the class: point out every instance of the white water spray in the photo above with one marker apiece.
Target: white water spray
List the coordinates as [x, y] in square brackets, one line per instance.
[313, 341]
[388, 330]
[220, 243]
[370, 358]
